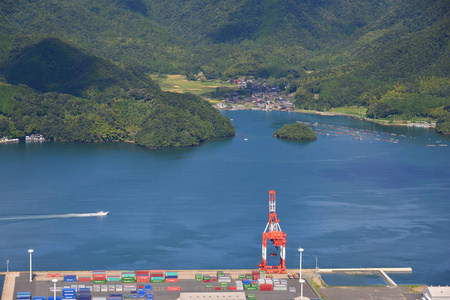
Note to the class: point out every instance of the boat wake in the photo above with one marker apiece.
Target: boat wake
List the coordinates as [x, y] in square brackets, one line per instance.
[56, 216]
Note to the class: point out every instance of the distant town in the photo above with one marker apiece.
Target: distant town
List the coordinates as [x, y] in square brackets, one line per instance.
[264, 96]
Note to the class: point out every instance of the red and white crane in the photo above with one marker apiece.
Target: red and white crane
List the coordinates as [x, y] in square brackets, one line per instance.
[276, 236]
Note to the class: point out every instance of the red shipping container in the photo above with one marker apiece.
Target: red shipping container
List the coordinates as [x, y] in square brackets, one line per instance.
[171, 279]
[255, 276]
[214, 278]
[217, 288]
[265, 287]
[173, 288]
[84, 279]
[233, 288]
[156, 271]
[143, 278]
[141, 273]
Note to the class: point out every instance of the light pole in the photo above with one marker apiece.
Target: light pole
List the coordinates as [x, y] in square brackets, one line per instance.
[317, 265]
[302, 281]
[54, 287]
[7, 265]
[300, 272]
[31, 269]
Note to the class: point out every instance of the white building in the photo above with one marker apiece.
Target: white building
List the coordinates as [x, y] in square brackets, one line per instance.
[436, 293]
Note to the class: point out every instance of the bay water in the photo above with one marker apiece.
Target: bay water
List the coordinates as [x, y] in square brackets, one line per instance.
[362, 195]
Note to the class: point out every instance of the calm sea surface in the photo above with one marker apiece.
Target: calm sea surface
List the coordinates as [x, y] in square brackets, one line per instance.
[362, 195]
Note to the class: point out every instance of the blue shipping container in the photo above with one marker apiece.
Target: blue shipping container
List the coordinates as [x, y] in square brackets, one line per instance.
[39, 298]
[57, 298]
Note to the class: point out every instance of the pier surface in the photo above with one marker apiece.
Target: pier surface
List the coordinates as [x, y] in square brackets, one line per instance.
[381, 271]
[42, 284]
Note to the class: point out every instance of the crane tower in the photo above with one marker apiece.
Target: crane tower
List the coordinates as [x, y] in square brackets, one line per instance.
[276, 236]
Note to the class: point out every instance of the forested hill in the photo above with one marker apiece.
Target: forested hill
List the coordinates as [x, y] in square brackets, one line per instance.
[391, 56]
[66, 94]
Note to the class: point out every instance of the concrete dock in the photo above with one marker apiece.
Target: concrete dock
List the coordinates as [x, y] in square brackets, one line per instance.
[381, 271]
[42, 285]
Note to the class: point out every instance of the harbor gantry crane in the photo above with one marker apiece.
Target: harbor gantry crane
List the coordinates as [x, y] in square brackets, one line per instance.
[276, 236]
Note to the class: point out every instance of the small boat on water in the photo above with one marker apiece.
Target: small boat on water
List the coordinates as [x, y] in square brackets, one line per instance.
[102, 213]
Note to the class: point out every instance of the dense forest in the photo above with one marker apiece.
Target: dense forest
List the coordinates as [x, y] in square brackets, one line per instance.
[296, 131]
[391, 56]
[65, 94]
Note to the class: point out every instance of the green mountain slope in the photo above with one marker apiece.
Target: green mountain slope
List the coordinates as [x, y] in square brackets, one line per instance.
[53, 66]
[338, 52]
[65, 94]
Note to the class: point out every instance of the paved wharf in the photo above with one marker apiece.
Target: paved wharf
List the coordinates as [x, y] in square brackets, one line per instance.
[381, 271]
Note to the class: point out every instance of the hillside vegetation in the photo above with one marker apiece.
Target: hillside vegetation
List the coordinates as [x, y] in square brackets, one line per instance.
[332, 53]
[297, 131]
[67, 95]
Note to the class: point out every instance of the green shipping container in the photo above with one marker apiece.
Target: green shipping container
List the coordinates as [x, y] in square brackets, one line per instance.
[251, 289]
[157, 280]
[224, 284]
[209, 286]
[98, 281]
[241, 276]
[113, 279]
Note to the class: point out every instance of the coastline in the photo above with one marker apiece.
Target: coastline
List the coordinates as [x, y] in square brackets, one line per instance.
[333, 114]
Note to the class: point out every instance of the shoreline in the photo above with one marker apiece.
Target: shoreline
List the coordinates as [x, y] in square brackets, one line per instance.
[334, 114]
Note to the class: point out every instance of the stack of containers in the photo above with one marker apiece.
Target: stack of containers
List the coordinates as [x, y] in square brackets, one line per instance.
[128, 277]
[84, 294]
[142, 276]
[23, 296]
[206, 278]
[149, 292]
[198, 277]
[246, 283]
[115, 297]
[224, 277]
[251, 285]
[98, 276]
[157, 276]
[278, 285]
[69, 293]
[264, 285]
[239, 285]
[171, 276]
[255, 274]
[70, 277]
[129, 287]
[262, 274]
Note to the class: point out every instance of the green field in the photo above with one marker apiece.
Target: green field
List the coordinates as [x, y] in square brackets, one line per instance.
[211, 89]
[350, 110]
